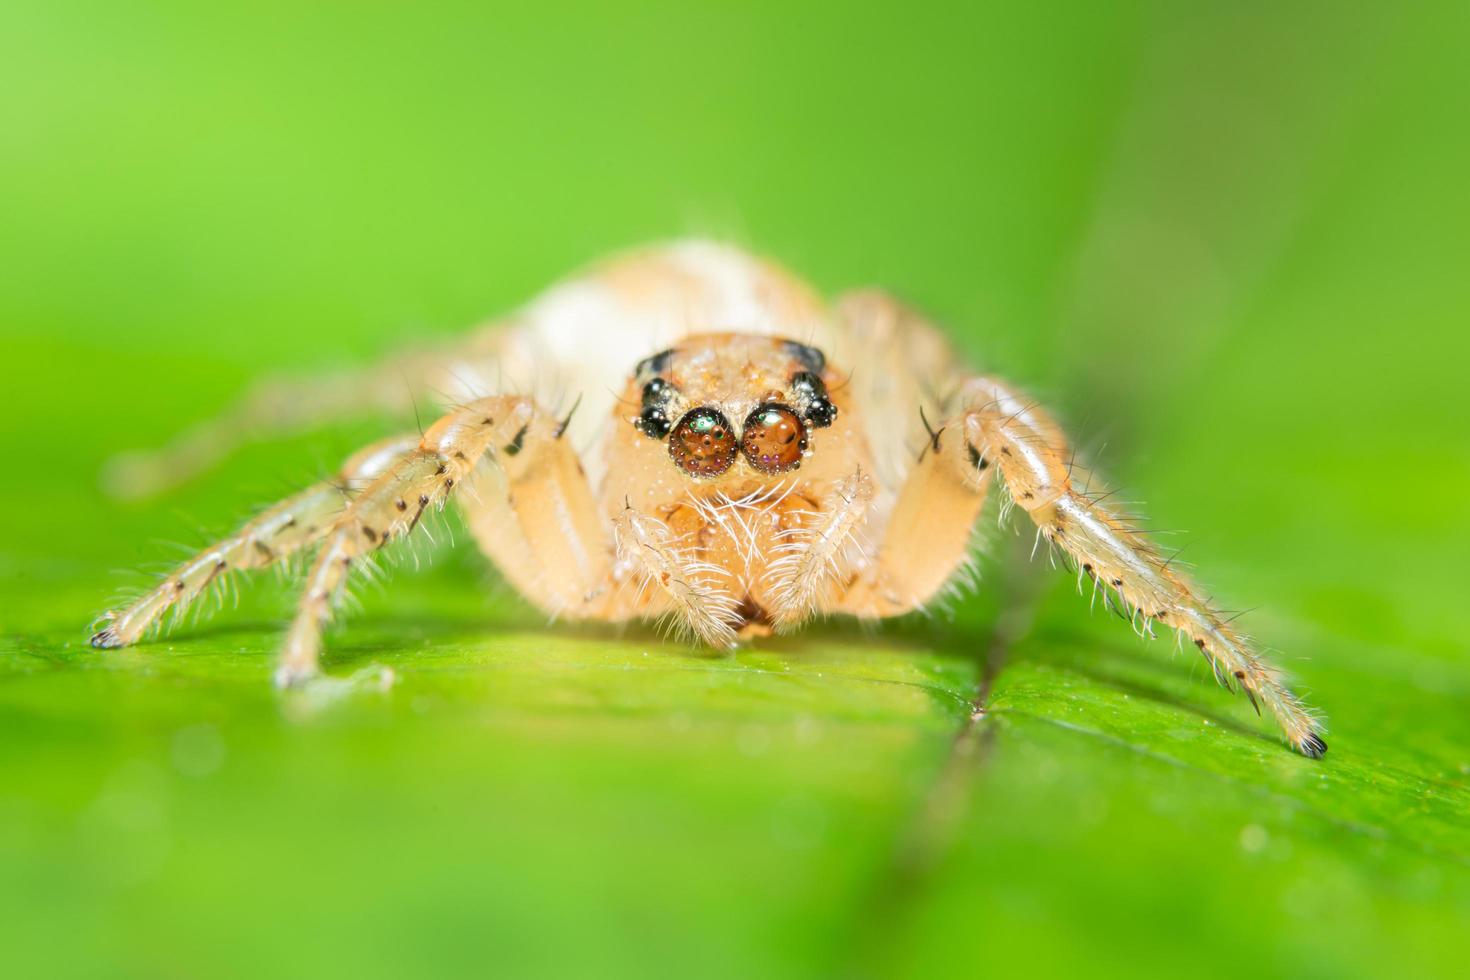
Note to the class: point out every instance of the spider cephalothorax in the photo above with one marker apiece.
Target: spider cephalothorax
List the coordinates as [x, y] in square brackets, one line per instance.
[794, 489]
[699, 395]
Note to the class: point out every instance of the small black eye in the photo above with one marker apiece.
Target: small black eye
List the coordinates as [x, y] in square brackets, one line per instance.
[657, 364]
[811, 395]
[654, 420]
[656, 392]
[653, 423]
[821, 414]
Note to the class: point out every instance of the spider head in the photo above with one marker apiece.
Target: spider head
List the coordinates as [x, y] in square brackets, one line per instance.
[720, 401]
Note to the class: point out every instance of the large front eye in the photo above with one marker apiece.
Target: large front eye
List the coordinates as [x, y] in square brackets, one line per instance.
[774, 439]
[702, 443]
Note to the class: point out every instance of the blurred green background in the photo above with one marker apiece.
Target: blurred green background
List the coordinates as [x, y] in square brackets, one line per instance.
[1229, 242]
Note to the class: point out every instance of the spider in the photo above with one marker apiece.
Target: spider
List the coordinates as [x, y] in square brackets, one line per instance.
[742, 481]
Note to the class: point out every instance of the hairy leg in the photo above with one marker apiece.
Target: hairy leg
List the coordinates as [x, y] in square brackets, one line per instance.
[287, 405]
[390, 507]
[919, 367]
[927, 540]
[535, 516]
[925, 544]
[1004, 430]
[283, 529]
[994, 429]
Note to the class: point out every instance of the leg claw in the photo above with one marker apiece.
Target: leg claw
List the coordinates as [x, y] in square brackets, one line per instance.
[106, 639]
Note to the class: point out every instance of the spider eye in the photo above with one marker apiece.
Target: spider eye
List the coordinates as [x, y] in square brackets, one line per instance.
[703, 444]
[654, 419]
[811, 394]
[774, 440]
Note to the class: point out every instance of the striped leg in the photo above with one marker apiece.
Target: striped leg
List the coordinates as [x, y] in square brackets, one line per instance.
[508, 428]
[285, 528]
[1003, 429]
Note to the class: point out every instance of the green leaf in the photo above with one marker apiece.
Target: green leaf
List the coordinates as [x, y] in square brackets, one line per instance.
[1227, 244]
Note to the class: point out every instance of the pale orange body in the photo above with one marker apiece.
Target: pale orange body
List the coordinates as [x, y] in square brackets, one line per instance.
[741, 457]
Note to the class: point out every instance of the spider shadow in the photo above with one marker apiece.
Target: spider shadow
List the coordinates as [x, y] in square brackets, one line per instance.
[981, 645]
[962, 641]
[1045, 653]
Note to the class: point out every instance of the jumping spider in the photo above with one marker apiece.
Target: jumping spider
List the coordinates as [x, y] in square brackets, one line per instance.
[742, 481]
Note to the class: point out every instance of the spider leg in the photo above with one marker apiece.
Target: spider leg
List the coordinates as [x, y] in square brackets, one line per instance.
[395, 385]
[281, 530]
[534, 514]
[389, 508]
[928, 534]
[1004, 430]
[927, 538]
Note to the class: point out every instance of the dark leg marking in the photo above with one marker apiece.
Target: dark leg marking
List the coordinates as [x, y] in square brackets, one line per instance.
[933, 436]
[214, 573]
[562, 428]
[516, 444]
[423, 502]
